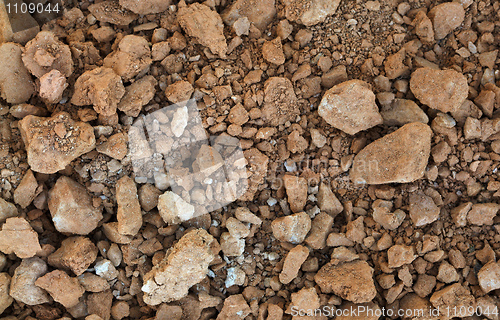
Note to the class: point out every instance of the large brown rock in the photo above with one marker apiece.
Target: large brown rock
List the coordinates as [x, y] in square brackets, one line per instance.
[75, 254]
[280, 101]
[423, 210]
[71, 208]
[399, 157]
[446, 17]
[310, 12]
[454, 301]
[63, 288]
[22, 285]
[258, 12]
[352, 280]
[350, 107]
[132, 58]
[293, 228]
[19, 238]
[52, 143]
[444, 90]
[16, 85]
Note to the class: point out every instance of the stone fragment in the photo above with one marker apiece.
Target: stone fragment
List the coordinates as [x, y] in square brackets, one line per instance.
[235, 277]
[179, 91]
[111, 12]
[120, 310]
[71, 208]
[231, 246]
[148, 196]
[99, 304]
[132, 58]
[295, 143]
[293, 261]
[146, 7]
[137, 95]
[423, 210]
[355, 230]
[16, 85]
[235, 308]
[205, 25]
[16, 25]
[338, 239]
[272, 51]
[447, 273]
[61, 287]
[305, 299]
[26, 190]
[7, 210]
[22, 285]
[185, 265]
[241, 26]
[394, 65]
[115, 146]
[382, 215]
[310, 12]
[5, 299]
[93, 283]
[179, 122]
[100, 87]
[446, 17]
[399, 157]
[327, 201]
[52, 85]
[401, 111]
[105, 269]
[399, 255]
[245, 215]
[320, 228]
[472, 128]
[292, 228]
[424, 285]
[19, 238]
[351, 281]
[280, 101]
[259, 12]
[483, 213]
[423, 27]
[75, 254]
[459, 214]
[173, 209]
[236, 228]
[296, 190]
[444, 90]
[454, 297]
[489, 276]
[129, 213]
[350, 107]
[46, 53]
[257, 165]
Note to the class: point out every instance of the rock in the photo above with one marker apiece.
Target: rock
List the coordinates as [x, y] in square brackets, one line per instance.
[19, 238]
[296, 143]
[16, 85]
[394, 65]
[399, 255]
[185, 265]
[399, 157]
[423, 27]
[52, 143]
[71, 208]
[296, 190]
[22, 284]
[205, 25]
[245, 215]
[75, 254]
[61, 287]
[46, 53]
[16, 25]
[310, 12]
[146, 7]
[401, 112]
[304, 299]
[350, 107]
[472, 128]
[111, 232]
[26, 190]
[423, 210]
[105, 269]
[132, 58]
[489, 276]
[361, 311]
[241, 26]
[327, 201]
[111, 12]
[115, 146]
[355, 230]
[382, 215]
[235, 308]
[7, 210]
[52, 85]
[447, 273]
[292, 228]
[424, 285]
[173, 209]
[93, 283]
[446, 17]
[454, 297]
[100, 87]
[444, 90]
[236, 228]
[5, 299]
[129, 213]
[293, 261]
[120, 310]
[179, 122]
[272, 51]
[231, 246]
[259, 12]
[137, 95]
[483, 213]
[338, 239]
[320, 228]
[280, 101]
[100, 303]
[148, 196]
[235, 277]
[257, 163]
[179, 91]
[351, 281]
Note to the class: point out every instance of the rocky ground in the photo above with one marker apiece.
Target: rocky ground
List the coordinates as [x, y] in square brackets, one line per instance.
[355, 161]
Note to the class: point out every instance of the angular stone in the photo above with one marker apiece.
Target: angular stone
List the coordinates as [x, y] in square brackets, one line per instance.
[352, 280]
[423, 210]
[454, 297]
[489, 276]
[132, 58]
[52, 143]
[401, 112]
[5, 299]
[272, 51]
[293, 261]
[399, 255]
[7, 210]
[115, 146]
[185, 265]
[179, 91]
[146, 7]
[483, 213]
[26, 190]
[350, 107]
[280, 101]
[310, 12]
[19, 238]
[292, 228]
[231, 245]
[129, 213]
[16, 85]
[259, 12]
[296, 190]
[235, 308]
[320, 228]
[111, 12]
[63, 289]
[382, 215]
[173, 209]
[52, 85]
[423, 27]
[399, 157]
[446, 17]
[71, 208]
[444, 90]
[22, 285]
[75, 254]
[327, 201]
[137, 95]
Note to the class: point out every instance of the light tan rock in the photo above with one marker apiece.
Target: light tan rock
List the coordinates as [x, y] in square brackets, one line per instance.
[272, 51]
[61, 287]
[280, 101]
[22, 285]
[52, 85]
[483, 213]
[350, 107]
[310, 12]
[399, 255]
[173, 209]
[454, 297]
[129, 213]
[231, 246]
[71, 208]
[423, 210]
[179, 91]
[446, 17]
[305, 299]
[146, 7]
[327, 201]
[16, 85]
[93, 283]
[423, 27]
[296, 190]
[19, 238]
[320, 228]
[185, 265]
[52, 143]
[26, 190]
[489, 276]
[293, 228]
[258, 12]
[111, 12]
[115, 146]
[75, 254]
[132, 58]
[235, 308]
[137, 95]
[401, 112]
[293, 261]
[5, 299]
[399, 157]
[382, 215]
[7, 210]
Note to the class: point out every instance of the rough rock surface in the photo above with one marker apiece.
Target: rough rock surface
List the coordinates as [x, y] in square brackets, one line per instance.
[102, 88]
[185, 265]
[111, 12]
[5, 299]
[235, 308]
[352, 280]
[310, 12]
[399, 255]
[75, 254]
[173, 209]
[400, 156]
[350, 107]
[401, 112]
[7, 210]
[205, 25]
[16, 85]
[26, 190]
[296, 190]
[423, 210]
[446, 17]
[444, 90]
[454, 297]
[137, 95]
[22, 285]
[489, 277]
[115, 146]
[292, 228]
[62, 288]
[19, 238]
[52, 143]
[280, 101]
[71, 208]
[258, 12]
[327, 201]
[128, 213]
[483, 213]
[146, 7]
[293, 261]
[132, 58]
[52, 85]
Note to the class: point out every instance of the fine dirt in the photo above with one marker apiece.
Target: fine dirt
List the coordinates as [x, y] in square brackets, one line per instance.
[250, 159]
